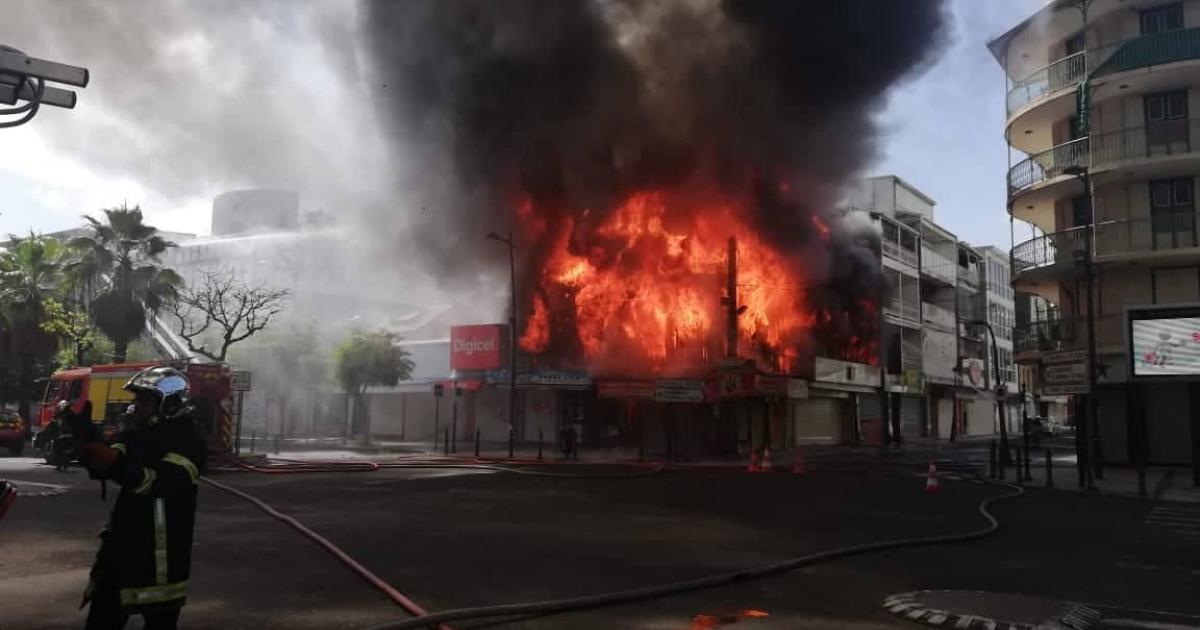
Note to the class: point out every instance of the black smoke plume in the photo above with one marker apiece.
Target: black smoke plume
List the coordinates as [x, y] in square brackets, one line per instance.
[576, 103]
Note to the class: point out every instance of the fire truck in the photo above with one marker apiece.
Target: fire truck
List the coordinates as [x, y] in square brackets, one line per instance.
[97, 392]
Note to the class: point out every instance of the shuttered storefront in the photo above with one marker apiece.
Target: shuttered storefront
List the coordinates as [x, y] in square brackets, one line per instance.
[819, 420]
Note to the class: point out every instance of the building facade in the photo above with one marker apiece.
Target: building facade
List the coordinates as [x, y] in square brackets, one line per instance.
[1101, 190]
[939, 375]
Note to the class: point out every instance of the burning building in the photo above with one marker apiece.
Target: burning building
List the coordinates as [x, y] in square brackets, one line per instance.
[669, 171]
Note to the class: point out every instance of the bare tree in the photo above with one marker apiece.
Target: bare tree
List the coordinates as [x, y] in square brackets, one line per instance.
[221, 310]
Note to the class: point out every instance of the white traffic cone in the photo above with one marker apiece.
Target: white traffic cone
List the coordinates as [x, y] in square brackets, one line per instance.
[931, 480]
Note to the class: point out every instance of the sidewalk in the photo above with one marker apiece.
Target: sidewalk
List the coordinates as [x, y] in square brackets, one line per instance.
[1161, 483]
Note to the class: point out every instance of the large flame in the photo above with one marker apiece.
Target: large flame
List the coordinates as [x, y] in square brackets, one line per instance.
[643, 287]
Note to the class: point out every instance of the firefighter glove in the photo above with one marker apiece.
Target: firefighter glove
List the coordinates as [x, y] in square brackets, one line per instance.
[98, 459]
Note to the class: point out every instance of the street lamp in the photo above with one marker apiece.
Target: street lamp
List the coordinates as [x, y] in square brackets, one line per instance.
[1087, 447]
[512, 336]
[25, 78]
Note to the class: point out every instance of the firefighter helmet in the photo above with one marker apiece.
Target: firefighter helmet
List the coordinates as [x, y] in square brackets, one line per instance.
[168, 384]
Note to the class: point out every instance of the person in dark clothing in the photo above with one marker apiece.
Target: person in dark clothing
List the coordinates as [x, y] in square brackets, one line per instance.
[145, 555]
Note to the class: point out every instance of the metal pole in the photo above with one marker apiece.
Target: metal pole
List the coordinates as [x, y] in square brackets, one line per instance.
[237, 450]
[1049, 468]
[992, 459]
[477, 443]
[437, 411]
[512, 345]
[446, 441]
[453, 446]
[539, 443]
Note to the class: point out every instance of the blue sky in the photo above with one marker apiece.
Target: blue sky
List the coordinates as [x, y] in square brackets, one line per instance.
[941, 132]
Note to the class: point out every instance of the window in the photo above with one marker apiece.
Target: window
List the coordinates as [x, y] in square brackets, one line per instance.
[1166, 121]
[1075, 44]
[1172, 213]
[1081, 211]
[1162, 19]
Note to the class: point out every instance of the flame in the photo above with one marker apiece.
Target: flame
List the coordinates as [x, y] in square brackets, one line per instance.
[644, 283]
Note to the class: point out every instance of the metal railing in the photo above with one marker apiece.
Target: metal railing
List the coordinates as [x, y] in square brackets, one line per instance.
[1146, 50]
[1128, 54]
[937, 265]
[895, 251]
[1158, 232]
[1063, 73]
[938, 315]
[1050, 249]
[1049, 335]
[1047, 165]
[1169, 137]
[906, 310]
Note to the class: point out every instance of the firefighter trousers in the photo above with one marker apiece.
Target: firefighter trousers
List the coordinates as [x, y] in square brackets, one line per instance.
[106, 613]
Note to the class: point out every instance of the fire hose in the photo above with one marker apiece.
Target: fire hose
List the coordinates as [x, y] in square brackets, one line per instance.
[424, 619]
[293, 466]
[548, 607]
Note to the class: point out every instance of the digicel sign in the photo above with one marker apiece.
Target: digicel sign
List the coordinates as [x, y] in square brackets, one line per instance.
[475, 347]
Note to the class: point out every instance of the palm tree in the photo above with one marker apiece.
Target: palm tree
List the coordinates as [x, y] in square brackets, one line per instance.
[30, 275]
[122, 261]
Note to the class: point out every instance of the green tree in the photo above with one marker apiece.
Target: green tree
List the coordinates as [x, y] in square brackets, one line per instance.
[74, 329]
[30, 275]
[369, 359]
[121, 260]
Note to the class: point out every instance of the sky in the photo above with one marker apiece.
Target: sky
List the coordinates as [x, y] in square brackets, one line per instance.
[942, 132]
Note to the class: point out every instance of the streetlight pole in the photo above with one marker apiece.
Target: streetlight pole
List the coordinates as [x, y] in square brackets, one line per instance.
[1005, 456]
[512, 337]
[1087, 442]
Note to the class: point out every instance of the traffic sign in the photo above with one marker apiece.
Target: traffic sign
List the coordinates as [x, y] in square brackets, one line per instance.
[240, 380]
[438, 389]
[1065, 356]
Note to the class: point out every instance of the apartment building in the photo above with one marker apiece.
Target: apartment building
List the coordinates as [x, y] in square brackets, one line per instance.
[1101, 190]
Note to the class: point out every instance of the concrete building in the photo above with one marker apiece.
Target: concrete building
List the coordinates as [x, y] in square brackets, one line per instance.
[938, 374]
[1102, 195]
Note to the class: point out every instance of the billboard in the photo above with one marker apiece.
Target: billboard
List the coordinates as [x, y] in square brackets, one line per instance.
[1165, 342]
[476, 347]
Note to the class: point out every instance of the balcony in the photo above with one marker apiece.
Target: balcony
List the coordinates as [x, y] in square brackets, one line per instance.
[938, 316]
[897, 252]
[1050, 249]
[1048, 336]
[1160, 233]
[1129, 54]
[1047, 165]
[1161, 139]
[1147, 50]
[937, 266]
[903, 310]
[1064, 73]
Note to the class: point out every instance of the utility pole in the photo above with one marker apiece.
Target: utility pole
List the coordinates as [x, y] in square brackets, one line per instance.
[1087, 433]
[512, 338]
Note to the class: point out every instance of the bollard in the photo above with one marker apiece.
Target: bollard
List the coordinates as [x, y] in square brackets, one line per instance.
[476, 443]
[446, 440]
[1000, 474]
[277, 439]
[539, 444]
[1049, 468]
[510, 442]
[992, 459]
[1028, 456]
[253, 436]
[1018, 467]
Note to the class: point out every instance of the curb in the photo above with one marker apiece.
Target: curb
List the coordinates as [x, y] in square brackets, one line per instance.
[47, 489]
[906, 605]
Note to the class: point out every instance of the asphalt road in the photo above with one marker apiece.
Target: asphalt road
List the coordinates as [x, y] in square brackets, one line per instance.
[454, 539]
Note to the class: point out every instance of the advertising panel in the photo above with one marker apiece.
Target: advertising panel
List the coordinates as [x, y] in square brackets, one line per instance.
[475, 347]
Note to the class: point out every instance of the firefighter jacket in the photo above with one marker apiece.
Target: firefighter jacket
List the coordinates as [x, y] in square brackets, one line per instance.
[148, 542]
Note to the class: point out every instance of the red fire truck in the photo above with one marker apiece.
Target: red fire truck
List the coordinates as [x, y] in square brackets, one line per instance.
[97, 391]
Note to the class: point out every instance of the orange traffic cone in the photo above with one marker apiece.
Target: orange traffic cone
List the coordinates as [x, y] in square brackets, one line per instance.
[753, 467]
[799, 467]
[765, 465]
[931, 480]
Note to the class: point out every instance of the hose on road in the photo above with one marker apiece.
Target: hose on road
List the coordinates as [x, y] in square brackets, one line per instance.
[541, 608]
[387, 589]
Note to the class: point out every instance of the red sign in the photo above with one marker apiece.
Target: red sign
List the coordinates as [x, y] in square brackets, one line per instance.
[475, 347]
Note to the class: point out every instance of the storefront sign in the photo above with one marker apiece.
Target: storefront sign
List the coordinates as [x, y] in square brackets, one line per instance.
[797, 388]
[845, 373]
[1165, 341]
[771, 385]
[679, 390]
[625, 389]
[475, 347]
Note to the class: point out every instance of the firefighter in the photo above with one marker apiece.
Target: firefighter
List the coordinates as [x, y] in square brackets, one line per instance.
[60, 447]
[145, 551]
